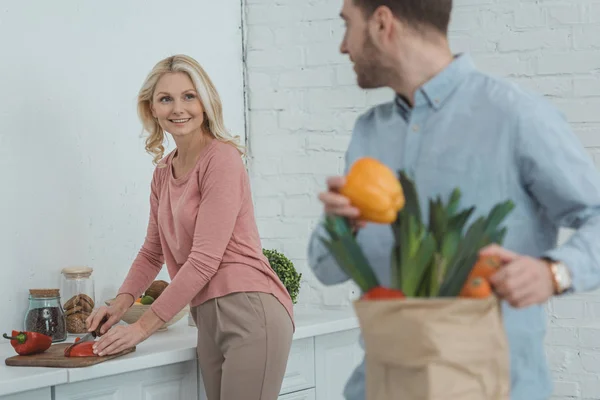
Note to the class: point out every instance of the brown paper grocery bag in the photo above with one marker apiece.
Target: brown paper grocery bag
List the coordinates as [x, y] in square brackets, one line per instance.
[434, 349]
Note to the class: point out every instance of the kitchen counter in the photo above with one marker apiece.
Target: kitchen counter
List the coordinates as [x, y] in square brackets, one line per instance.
[175, 345]
[20, 379]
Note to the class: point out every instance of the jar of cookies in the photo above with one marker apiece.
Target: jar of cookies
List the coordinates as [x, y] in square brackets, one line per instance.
[77, 289]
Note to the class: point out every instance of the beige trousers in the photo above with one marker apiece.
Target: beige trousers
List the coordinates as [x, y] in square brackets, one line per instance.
[244, 341]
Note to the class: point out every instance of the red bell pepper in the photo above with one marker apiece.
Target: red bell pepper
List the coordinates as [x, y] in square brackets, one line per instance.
[84, 349]
[383, 293]
[26, 343]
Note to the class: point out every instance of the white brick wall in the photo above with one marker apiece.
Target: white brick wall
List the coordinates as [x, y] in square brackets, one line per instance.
[303, 101]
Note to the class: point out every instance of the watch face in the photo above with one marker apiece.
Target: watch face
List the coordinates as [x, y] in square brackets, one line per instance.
[563, 277]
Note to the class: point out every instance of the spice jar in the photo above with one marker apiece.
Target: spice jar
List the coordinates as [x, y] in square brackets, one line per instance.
[77, 287]
[45, 314]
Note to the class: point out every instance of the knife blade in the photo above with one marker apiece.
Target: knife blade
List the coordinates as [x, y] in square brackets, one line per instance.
[91, 336]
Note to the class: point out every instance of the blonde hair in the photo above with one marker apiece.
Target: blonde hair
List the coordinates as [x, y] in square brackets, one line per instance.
[208, 96]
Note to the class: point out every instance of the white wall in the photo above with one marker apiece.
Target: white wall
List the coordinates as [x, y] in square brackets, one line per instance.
[303, 101]
[73, 171]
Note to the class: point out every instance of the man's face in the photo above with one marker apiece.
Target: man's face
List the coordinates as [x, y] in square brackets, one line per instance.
[358, 44]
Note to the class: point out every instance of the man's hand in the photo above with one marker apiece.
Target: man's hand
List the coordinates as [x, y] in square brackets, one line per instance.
[522, 280]
[337, 204]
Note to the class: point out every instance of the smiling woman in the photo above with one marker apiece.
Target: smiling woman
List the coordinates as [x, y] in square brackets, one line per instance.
[180, 82]
[176, 114]
[202, 225]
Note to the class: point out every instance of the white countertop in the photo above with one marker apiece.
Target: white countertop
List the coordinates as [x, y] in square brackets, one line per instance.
[20, 379]
[176, 344]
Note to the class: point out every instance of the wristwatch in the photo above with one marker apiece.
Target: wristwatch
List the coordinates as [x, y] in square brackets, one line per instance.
[561, 276]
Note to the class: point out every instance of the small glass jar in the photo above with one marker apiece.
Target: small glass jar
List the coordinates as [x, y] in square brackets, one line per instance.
[45, 314]
[77, 287]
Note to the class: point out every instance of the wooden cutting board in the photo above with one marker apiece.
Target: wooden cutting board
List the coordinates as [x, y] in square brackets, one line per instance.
[55, 357]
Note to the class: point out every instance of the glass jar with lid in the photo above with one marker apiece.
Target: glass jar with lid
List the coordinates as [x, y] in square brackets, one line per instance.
[45, 314]
[77, 287]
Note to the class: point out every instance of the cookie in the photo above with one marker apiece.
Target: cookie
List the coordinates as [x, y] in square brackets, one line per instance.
[82, 300]
[73, 310]
[76, 323]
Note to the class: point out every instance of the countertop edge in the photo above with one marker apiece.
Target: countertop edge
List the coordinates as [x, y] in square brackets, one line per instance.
[131, 363]
[179, 343]
[304, 332]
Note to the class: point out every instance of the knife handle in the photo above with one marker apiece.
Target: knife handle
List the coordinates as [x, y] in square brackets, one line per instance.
[96, 333]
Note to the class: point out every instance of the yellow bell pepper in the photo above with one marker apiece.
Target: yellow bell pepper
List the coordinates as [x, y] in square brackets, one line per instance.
[375, 190]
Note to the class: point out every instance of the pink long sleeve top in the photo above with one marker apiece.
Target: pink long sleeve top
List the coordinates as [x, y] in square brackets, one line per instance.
[202, 226]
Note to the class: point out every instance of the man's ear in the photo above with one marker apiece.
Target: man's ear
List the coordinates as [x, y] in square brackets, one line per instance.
[382, 25]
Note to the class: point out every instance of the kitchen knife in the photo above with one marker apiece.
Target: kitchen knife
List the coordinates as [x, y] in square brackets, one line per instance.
[88, 337]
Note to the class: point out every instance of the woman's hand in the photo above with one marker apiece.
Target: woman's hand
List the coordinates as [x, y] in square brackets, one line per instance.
[120, 338]
[114, 312]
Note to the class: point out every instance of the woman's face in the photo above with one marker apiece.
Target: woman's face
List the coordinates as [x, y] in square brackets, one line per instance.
[176, 105]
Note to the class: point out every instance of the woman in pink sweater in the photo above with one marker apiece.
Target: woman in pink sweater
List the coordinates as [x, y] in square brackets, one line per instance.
[202, 226]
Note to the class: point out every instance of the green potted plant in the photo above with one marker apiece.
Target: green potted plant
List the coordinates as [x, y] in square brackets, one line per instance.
[286, 272]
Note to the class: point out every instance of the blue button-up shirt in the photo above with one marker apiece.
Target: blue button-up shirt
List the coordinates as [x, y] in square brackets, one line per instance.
[495, 141]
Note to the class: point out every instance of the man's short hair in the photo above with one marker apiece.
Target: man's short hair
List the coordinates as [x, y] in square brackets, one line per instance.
[417, 13]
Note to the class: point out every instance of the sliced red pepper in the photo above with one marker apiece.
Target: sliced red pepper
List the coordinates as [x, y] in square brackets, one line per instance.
[84, 349]
[26, 343]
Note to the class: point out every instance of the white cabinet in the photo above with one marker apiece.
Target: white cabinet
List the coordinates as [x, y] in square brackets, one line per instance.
[336, 357]
[40, 394]
[300, 370]
[173, 382]
[318, 368]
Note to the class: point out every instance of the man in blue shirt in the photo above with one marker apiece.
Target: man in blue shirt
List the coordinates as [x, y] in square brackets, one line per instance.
[449, 126]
